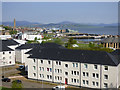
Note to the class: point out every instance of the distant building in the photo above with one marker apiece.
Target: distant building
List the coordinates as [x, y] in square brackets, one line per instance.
[111, 42]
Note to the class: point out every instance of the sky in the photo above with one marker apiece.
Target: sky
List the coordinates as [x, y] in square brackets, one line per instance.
[55, 12]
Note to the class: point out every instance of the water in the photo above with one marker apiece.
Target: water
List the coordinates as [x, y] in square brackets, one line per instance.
[102, 30]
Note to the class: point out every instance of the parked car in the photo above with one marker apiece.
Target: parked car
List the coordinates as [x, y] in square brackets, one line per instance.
[6, 80]
[17, 81]
[21, 67]
[58, 88]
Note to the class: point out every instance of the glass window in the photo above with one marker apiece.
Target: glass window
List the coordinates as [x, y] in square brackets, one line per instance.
[106, 68]
[56, 62]
[97, 75]
[43, 75]
[55, 77]
[93, 74]
[34, 67]
[48, 62]
[50, 69]
[83, 73]
[3, 58]
[66, 65]
[40, 68]
[76, 64]
[77, 80]
[95, 66]
[77, 72]
[74, 72]
[34, 74]
[87, 82]
[10, 57]
[83, 81]
[34, 60]
[47, 69]
[40, 75]
[50, 77]
[41, 61]
[66, 73]
[105, 85]
[43, 68]
[97, 84]
[60, 71]
[59, 63]
[87, 74]
[105, 76]
[74, 80]
[55, 70]
[71, 79]
[93, 83]
[47, 76]
[73, 65]
[3, 52]
[9, 52]
[60, 78]
[86, 66]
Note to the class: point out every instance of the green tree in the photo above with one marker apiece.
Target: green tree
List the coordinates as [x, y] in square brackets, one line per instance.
[7, 27]
[17, 85]
[35, 39]
[12, 32]
[70, 42]
[91, 45]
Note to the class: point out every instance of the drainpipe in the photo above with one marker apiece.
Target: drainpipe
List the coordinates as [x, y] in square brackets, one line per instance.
[100, 77]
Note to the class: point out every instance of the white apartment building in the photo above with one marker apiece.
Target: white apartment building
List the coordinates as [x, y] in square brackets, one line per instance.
[83, 68]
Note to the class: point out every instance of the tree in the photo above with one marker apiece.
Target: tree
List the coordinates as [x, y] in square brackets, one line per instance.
[35, 39]
[12, 32]
[17, 85]
[70, 42]
[91, 45]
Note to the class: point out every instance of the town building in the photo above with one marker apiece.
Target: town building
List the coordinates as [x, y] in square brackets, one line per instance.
[111, 42]
[83, 68]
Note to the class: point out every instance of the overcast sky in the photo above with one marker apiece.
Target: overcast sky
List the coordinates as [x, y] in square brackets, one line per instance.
[54, 12]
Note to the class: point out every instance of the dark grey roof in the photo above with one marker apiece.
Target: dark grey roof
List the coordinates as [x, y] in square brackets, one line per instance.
[9, 42]
[111, 39]
[82, 56]
[116, 54]
[39, 46]
[4, 47]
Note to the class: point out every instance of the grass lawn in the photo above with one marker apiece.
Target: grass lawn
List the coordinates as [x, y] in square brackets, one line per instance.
[84, 46]
[3, 88]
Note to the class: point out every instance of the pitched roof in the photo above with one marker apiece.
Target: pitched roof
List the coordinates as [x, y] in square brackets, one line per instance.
[4, 47]
[82, 56]
[116, 53]
[111, 39]
[9, 42]
[39, 46]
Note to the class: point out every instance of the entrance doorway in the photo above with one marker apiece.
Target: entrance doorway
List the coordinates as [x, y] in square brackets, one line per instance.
[66, 81]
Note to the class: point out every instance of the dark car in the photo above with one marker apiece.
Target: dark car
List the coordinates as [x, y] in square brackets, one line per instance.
[6, 80]
[17, 81]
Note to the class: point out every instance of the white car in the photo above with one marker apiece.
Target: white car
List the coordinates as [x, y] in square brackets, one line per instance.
[58, 88]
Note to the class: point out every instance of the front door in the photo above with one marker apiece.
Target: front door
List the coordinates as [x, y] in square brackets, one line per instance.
[66, 81]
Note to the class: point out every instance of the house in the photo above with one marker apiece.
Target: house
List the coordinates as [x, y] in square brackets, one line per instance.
[7, 55]
[83, 68]
[111, 42]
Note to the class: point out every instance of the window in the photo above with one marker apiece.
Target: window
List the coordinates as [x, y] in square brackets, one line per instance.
[56, 62]
[41, 61]
[76, 64]
[105, 76]
[34, 67]
[74, 80]
[47, 76]
[74, 72]
[66, 65]
[47, 69]
[40, 75]
[77, 80]
[50, 69]
[43, 68]
[3, 52]
[55, 70]
[97, 75]
[3, 58]
[87, 82]
[93, 83]
[9, 52]
[87, 74]
[48, 62]
[10, 57]
[83, 81]
[34, 60]
[55, 77]
[97, 84]
[77, 72]
[59, 63]
[95, 66]
[60, 71]
[83, 73]
[50, 77]
[105, 85]
[106, 68]
[40, 68]
[71, 79]
[73, 65]
[43, 75]
[86, 66]
[93, 74]
[34, 74]
[60, 78]
[66, 73]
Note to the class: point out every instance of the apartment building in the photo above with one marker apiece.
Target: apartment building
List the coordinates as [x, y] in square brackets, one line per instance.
[83, 68]
[7, 55]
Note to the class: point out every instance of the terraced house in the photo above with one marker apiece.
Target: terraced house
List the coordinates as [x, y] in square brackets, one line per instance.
[83, 68]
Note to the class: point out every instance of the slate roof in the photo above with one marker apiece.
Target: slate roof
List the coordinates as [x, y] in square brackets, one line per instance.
[82, 56]
[4, 47]
[9, 42]
[111, 40]
[116, 53]
[39, 46]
